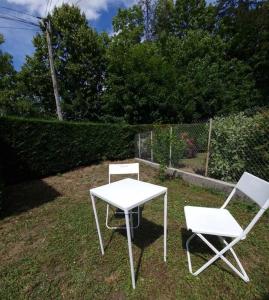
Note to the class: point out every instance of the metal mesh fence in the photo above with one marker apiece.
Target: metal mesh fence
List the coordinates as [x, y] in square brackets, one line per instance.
[180, 146]
[222, 148]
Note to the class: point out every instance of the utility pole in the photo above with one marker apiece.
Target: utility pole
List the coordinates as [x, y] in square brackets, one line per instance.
[147, 8]
[52, 71]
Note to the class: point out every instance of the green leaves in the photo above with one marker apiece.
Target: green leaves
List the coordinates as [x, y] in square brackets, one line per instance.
[200, 61]
[33, 148]
[239, 143]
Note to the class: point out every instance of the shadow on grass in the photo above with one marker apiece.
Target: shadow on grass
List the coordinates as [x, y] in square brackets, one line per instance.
[197, 245]
[145, 235]
[199, 249]
[23, 197]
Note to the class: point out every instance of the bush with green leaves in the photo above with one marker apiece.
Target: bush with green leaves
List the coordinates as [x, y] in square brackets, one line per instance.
[261, 149]
[35, 148]
[239, 143]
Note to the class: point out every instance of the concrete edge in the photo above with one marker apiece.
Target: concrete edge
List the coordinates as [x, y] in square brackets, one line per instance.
[192, 178]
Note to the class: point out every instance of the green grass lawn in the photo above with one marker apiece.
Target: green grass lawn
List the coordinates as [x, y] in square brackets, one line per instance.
[196, 164]
[49, 246]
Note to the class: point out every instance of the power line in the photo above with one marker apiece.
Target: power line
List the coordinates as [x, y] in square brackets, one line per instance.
[16, 19]
[19, 11]
[11, 16]
[18, 28]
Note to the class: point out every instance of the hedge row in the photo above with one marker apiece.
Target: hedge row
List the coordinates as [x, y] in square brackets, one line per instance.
[240, 143]
[1, 190]
[36, 148]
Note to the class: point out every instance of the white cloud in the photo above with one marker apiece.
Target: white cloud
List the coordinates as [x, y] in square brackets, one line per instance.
[92, 8]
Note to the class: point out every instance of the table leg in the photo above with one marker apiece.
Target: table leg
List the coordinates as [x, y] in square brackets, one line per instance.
[97, 224]
[165, 227]
[127, 221]
[132, 224]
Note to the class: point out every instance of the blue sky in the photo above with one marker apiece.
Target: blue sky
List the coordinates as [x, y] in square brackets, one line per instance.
[19, 42]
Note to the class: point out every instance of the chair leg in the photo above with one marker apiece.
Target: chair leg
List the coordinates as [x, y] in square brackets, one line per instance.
[138, 218]
[219, 254]
[117, 227]
[243, 273]
[107, 217]
[188, 252]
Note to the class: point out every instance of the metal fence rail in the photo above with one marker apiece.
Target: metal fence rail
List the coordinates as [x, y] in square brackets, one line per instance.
[181, 146]
[222, 148]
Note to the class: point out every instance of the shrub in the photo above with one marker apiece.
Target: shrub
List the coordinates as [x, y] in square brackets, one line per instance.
[37, 148]
[261, 146]
[239, 143]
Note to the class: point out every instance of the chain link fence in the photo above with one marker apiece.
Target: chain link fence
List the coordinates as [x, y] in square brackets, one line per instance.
[181, 146]
[222, 148]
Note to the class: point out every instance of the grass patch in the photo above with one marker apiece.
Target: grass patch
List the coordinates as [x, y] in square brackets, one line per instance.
[49, 246]
[196, 164]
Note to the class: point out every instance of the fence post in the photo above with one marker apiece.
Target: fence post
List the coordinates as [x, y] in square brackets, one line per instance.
[208, 146]
[170, 147]
[151, 143]
[139, 146]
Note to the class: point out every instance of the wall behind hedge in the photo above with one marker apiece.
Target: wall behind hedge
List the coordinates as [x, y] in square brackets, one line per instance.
[35, 148]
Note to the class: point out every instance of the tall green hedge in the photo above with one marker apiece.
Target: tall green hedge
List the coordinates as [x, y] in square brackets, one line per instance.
[35, 148]
[1, 189]
[240, 143]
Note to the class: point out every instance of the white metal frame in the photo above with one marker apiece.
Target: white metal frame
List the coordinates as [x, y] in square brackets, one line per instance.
[163, 191]
[123, 169]
[257, 190]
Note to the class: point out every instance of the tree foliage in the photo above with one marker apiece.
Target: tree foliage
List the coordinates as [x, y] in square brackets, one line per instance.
[79, 63]
[7, 74]
[184, 60]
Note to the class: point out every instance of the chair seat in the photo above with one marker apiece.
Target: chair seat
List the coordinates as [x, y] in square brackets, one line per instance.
[215, 221]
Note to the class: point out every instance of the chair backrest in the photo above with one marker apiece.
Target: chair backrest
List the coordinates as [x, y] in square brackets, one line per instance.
[255, 188]
[123, 169]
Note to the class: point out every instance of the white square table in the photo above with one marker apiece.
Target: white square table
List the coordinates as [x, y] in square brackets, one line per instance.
[127, 194]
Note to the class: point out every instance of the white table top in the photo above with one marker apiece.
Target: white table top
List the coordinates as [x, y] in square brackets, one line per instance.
[128, 193]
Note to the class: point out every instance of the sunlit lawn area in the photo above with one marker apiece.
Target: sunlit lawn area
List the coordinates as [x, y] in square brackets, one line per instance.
[196, 164]
[49, 247]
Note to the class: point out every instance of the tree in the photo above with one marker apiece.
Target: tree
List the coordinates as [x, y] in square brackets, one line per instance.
[7, 74]
[128, 28]
[244, 25]
[79, 62]
[139, 84]
[163, 18]
[141, 88]
[192, 15]
[208, 84]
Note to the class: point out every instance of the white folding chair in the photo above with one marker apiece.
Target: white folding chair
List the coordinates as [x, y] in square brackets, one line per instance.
[123, 169]
[220, 222]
